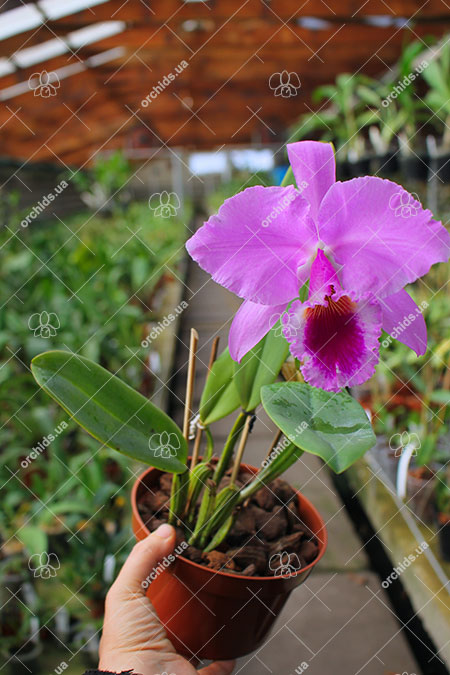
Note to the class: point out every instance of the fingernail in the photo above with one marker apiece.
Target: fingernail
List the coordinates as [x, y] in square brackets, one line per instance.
[164, 531]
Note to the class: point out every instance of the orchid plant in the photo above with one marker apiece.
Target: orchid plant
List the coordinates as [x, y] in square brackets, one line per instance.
[322, 269]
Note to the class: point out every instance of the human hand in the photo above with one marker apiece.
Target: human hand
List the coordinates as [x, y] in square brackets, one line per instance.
[133, 637]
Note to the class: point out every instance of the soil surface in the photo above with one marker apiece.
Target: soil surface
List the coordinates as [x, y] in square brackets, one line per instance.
[268, 538]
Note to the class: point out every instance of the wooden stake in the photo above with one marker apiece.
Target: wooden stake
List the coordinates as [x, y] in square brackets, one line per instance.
[190, 383]
[274, 442]
[241, 448]
[198, 433]
[213, 354]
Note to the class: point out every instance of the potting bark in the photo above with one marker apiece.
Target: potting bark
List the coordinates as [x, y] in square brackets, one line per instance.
[266, 532]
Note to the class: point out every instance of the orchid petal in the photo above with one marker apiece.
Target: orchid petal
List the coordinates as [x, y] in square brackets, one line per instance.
[256, 243]
[404, 321]
[314, 169]
[380, 235]
[251, 323]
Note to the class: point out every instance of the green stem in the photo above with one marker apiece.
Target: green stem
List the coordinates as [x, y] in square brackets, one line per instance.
[197, 481]
[288, 178]
[225, 502]
[278, 466]
[227, 452]
[209, 445]
[204, 513]
[178, 496]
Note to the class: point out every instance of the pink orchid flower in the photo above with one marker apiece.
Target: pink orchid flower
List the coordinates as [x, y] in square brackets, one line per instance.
[353, 242]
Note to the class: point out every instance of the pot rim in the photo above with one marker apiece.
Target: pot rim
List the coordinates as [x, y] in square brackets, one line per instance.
[322, 543]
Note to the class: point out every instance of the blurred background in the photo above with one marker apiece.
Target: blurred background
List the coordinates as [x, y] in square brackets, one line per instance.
[123, 125]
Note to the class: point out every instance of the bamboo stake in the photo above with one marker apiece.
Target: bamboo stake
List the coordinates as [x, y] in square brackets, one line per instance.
[213, 353]
[241, 448]
[179, 485]
[198, 433]
[190, 382]
[273, 444]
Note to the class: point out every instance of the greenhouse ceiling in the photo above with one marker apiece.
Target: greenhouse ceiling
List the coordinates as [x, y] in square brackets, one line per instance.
[77, 76]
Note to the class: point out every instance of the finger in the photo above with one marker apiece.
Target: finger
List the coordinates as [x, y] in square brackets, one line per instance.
[219, 668]
[135, 576]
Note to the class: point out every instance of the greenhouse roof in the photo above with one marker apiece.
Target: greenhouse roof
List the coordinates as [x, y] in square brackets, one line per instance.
[77, 76]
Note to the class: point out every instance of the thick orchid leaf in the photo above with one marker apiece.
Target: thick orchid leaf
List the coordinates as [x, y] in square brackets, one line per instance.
[33, 538]
[219, 397]
[260, 366]
[332, 426]
[440, 396]
[110, 410]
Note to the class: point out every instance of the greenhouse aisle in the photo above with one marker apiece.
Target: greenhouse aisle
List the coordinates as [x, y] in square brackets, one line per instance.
[339, 620]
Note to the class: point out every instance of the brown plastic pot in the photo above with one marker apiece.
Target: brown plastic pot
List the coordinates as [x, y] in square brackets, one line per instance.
[218, 615]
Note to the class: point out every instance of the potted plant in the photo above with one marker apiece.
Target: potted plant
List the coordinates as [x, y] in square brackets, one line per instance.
[442, 494]
[342, 121]
[314, 283]
[413, 159]
[389, 119]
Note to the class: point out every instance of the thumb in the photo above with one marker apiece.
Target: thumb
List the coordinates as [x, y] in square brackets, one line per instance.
[135, 576]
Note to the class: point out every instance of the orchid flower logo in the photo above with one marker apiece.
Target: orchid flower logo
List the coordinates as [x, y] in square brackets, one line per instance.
[164, 204]
[44, 84]
[164, 445]
[404, 204]
[44, 565]
[165, 673]
[284, 564]
[287, 328]
[398, 442]
[284, 84]
[44, 324]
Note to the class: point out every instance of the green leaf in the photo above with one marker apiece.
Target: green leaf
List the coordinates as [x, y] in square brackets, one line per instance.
[219, 397]
[260, 366]
[110, 410]
[34, 539]
[332, 426]
[440, 396]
